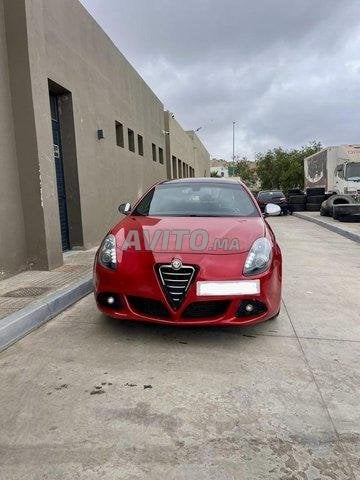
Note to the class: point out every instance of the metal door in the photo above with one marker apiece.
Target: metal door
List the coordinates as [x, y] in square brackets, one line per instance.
[59, 168]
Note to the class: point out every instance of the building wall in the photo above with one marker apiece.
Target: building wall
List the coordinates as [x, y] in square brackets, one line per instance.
[12, 232]
[180, 147]
[105, 88]
[56, 44]
[201, 156]
[60, 42]
[187, 148]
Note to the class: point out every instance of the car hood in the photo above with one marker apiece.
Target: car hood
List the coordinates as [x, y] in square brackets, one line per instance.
[213, 235]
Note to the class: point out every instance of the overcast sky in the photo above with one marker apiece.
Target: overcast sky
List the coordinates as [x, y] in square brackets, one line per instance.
[287, 71]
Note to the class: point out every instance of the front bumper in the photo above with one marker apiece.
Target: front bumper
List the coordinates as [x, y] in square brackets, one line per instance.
[139, 295]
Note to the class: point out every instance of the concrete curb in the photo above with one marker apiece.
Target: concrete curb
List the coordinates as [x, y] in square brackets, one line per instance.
[334, 228]
[20, 323]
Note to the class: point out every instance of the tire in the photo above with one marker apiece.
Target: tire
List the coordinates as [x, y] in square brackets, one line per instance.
[298, 207]
[315, 198]
[336, 200]
[328, 195]
[340, 199]
[297, 199]
[313, 207]
[274, 317]
[315, 191]
[325, 211]
[355, 218]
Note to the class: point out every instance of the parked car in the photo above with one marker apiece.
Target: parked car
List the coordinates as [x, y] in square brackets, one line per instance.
[225, 269]
[276, 197]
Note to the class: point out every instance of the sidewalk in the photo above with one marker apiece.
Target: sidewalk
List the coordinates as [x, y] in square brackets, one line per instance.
[33, 297]
[348, 230]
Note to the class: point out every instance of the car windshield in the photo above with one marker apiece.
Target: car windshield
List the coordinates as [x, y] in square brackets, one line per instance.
[268, 196]
[353, 171]
[198, 200]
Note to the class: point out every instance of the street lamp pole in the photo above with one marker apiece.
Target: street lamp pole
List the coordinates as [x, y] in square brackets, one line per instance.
[233, 155]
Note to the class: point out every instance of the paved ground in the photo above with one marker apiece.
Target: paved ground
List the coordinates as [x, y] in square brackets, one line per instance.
[276, 401]
[20, 290]
[347, 227]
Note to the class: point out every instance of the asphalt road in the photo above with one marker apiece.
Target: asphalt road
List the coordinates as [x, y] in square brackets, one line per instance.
[277, 401]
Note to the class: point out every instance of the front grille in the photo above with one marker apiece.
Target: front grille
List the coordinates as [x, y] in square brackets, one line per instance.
[175, 283]
[213, 308]
[148, 306]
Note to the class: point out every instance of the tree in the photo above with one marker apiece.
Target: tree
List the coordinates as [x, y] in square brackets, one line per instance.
[246, 171]
[284, 169]
[214, 174]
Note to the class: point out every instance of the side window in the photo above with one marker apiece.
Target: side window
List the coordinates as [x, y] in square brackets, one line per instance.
[119, 132]
[339, 171]
[161, 155]
[144, 206]
[174, 166]
[154, 152]
[140, 145]
[131, 140]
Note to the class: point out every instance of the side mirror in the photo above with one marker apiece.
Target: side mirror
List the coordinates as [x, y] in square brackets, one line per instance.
[340, 168]
[272, 210]
[125, 208]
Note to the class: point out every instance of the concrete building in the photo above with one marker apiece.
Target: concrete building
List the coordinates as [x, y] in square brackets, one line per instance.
[186, 155]
[219, 167]
[80, 132]
[201, 156]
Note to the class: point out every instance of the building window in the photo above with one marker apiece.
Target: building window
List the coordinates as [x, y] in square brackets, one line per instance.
[119, 131]
[131, 138]
[154, 152]
[174, 167]
[179, 168]
[184, 170]
[140, 145]
[161, 156]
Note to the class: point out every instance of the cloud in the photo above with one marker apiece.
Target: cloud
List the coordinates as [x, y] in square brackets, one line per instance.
[286, 72]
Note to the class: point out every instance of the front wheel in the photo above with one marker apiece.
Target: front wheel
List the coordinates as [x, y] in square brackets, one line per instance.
[274, 317]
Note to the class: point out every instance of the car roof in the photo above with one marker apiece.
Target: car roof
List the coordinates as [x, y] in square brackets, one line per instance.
[270, 191]
[212, 180]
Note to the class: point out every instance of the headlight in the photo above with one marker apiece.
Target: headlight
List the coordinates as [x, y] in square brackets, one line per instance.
[258, 258]
[107, 252]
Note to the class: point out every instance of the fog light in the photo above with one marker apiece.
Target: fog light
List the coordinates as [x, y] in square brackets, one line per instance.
[248, 308]
[109, 300]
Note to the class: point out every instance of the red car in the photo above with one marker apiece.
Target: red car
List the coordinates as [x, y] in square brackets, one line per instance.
[191, 252]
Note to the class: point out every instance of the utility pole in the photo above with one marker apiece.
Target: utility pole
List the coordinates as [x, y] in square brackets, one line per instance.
[233, 155]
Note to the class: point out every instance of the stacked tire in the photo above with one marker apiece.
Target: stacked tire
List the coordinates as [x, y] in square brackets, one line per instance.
[327, 208]
[314, 199]
[297, 200]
